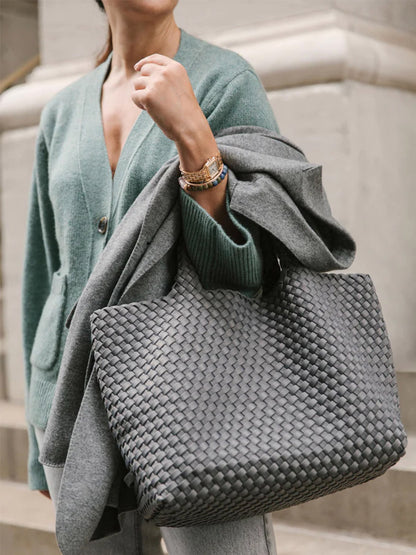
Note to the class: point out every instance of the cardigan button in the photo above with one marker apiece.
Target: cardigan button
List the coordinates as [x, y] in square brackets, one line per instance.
[102, 224]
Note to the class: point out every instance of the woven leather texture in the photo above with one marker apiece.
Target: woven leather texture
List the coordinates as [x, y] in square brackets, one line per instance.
[226, 407]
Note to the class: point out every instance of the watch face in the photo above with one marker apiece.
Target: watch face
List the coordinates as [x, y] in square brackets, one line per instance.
[213, 167]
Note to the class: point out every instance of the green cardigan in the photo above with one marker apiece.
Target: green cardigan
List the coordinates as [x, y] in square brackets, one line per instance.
[73, 188]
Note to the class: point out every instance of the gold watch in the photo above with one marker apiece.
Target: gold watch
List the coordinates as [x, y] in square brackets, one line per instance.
[208, 171]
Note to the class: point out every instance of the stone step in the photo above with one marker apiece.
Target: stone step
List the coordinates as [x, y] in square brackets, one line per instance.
[384, 507]
[27, 521]
[27, 528]
[3, 389]
[295, 540]
[406, 381]
[13, 442]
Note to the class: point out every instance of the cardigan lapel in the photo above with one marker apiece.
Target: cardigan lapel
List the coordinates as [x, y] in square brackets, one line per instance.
[101, 189]
[94, 166]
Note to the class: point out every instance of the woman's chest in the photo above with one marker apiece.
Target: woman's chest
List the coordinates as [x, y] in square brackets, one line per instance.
[119, 114]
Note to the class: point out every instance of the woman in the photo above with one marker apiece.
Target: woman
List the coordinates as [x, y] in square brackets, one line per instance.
[156, 91]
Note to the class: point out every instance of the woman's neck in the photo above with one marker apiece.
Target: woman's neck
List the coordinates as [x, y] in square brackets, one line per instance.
[132, 42]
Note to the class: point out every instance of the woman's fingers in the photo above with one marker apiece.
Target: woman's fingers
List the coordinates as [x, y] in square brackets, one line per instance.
[156, 58]
[45, 492]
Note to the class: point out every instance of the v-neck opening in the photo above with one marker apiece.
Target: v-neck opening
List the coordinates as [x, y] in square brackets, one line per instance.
[124, 157]
[107, 63]
[102, 190]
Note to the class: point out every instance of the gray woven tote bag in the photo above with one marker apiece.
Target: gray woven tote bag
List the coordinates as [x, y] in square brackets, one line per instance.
[225, 407]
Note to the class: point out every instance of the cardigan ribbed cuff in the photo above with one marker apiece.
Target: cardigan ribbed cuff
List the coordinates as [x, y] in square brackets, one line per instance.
[36, 478]
[40, 399]
[38, 406]
[223, 262]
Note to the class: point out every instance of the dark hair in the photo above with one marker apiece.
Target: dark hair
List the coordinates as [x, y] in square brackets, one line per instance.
[100, 5]
[108, 46]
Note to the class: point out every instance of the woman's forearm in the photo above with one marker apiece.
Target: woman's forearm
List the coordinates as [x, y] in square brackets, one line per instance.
[195, 146]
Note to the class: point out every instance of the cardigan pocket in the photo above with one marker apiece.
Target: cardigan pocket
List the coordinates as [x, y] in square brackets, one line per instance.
[46, 342]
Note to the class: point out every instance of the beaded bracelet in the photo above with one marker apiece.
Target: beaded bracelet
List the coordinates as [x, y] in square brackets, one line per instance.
[187, 186]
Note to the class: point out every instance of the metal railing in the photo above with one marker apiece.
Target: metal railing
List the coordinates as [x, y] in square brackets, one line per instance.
[18, 73]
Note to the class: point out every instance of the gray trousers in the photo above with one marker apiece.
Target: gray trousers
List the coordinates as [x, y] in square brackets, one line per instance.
[249, 536]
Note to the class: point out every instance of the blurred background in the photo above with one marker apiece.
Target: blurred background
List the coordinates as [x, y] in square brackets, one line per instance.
[341, 77]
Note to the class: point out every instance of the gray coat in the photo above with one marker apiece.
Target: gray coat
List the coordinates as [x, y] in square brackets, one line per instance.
[272, 184]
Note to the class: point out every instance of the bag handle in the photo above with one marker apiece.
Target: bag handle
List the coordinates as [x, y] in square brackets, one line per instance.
[187, 276]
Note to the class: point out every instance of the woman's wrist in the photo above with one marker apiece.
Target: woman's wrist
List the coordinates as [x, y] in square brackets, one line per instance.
[195, 145]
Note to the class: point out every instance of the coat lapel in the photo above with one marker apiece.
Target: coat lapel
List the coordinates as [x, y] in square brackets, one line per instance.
[160, 228]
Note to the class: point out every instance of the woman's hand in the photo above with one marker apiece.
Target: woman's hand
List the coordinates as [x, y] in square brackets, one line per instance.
[45, 492]
[164, 90]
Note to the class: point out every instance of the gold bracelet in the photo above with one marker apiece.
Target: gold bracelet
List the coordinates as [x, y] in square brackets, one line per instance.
[206, 183]
[187, 186]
